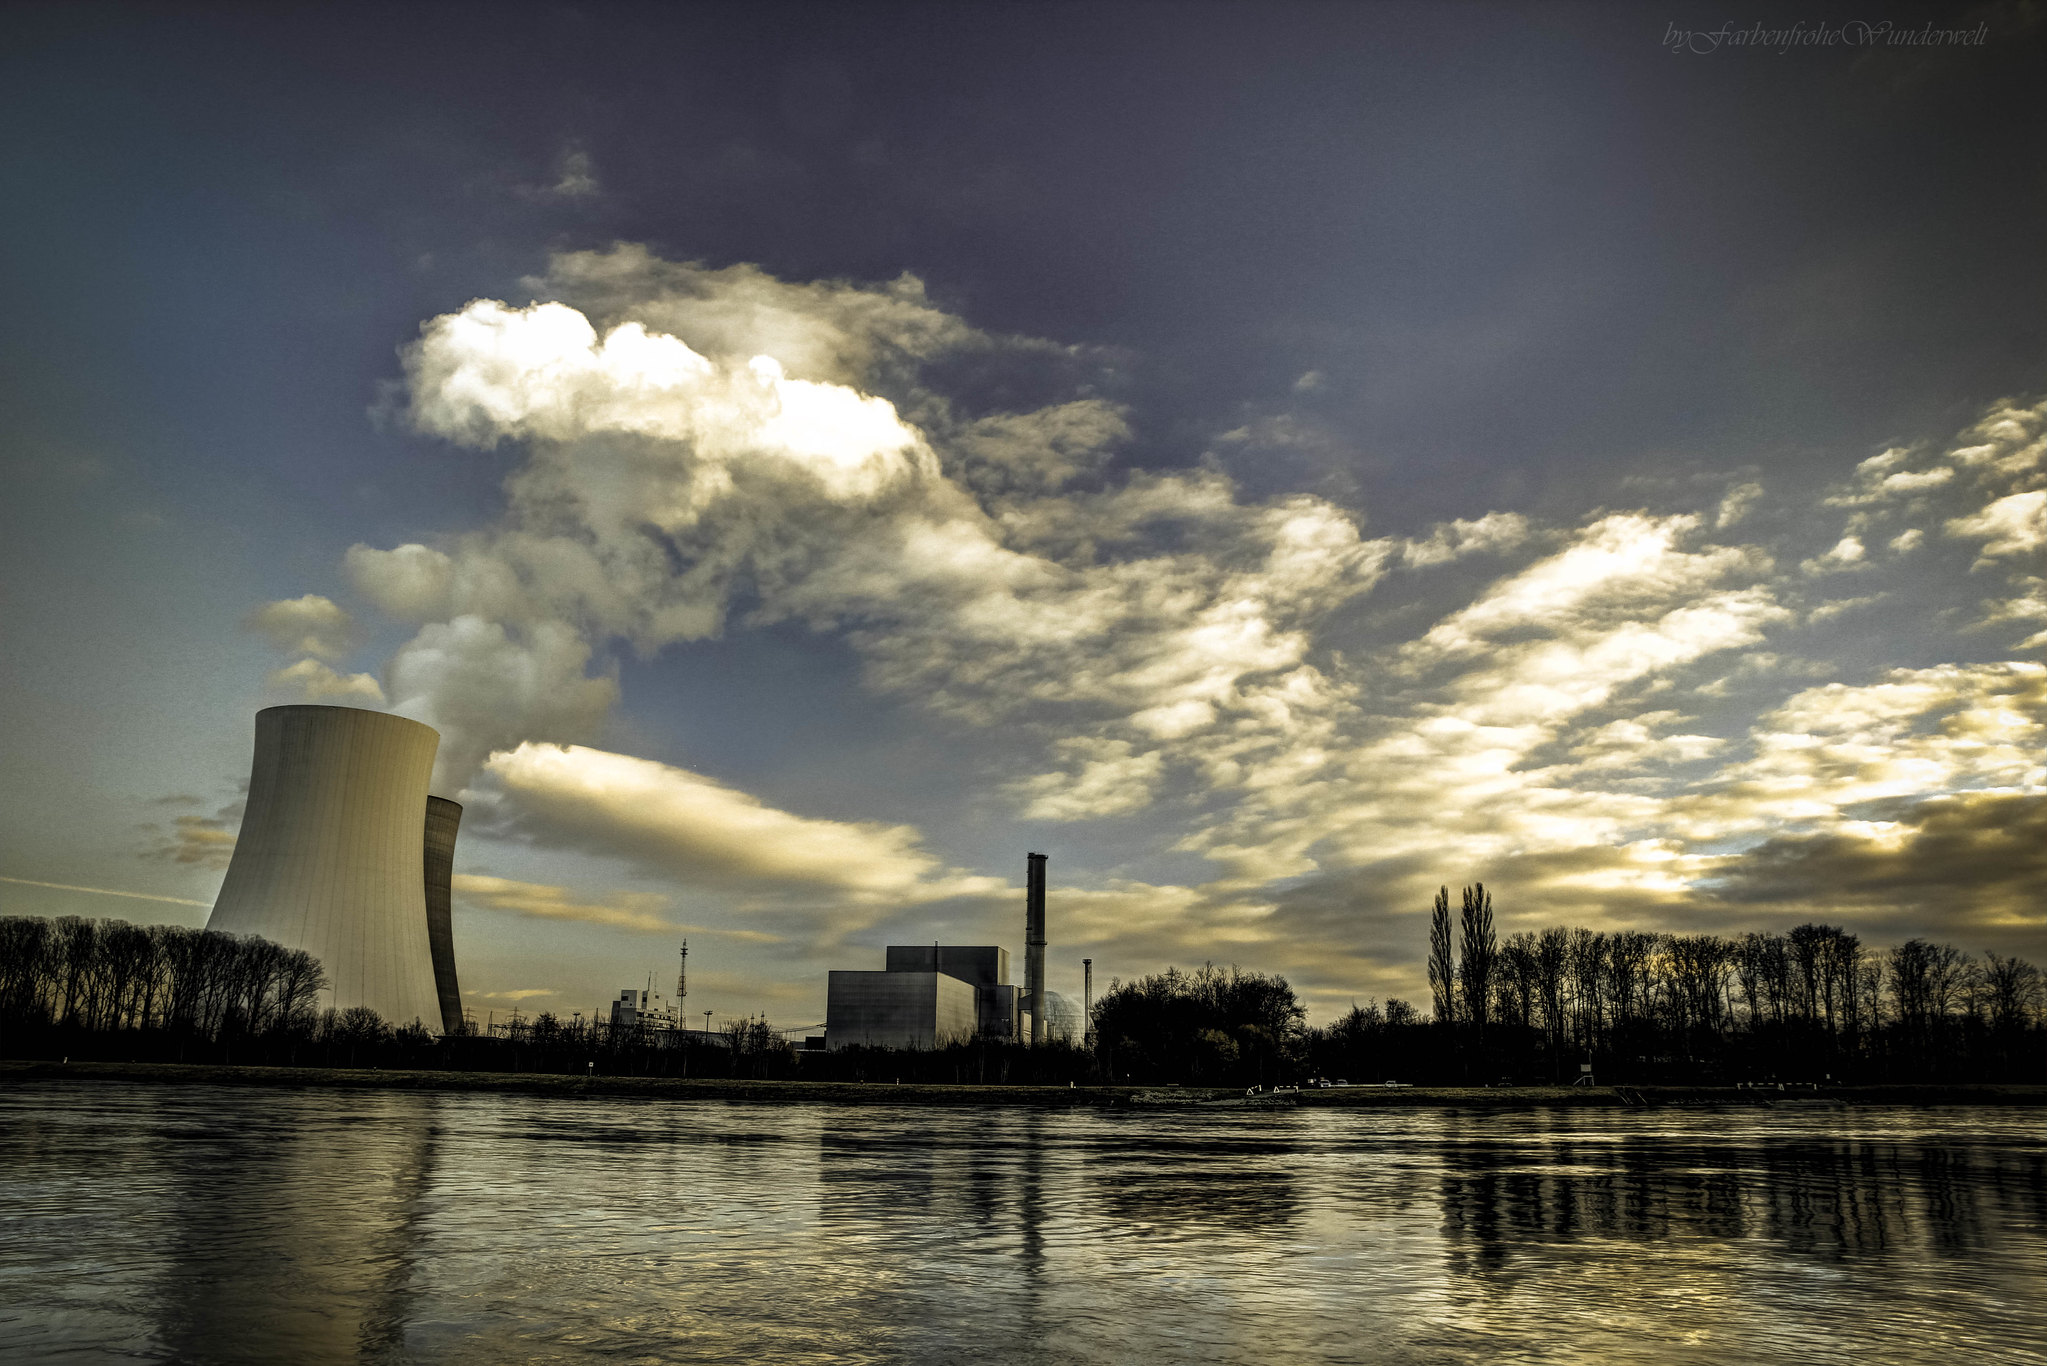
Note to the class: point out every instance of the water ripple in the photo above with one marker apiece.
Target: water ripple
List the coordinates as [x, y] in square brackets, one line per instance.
[216, 1225]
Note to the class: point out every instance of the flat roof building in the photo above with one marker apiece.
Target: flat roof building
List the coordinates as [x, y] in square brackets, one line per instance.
[899, 1010]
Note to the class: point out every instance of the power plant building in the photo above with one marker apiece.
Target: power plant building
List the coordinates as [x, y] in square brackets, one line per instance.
[930, 995]
[343, 854]
[899, 1010]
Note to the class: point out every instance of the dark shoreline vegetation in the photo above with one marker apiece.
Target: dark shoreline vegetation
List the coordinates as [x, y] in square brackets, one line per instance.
[1220, 1099]
[1543, 1009]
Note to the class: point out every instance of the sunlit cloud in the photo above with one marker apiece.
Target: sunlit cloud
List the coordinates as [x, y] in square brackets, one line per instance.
[621, 910]
[1606, 708]
[309, 680]
[703, 832]
[309, 625]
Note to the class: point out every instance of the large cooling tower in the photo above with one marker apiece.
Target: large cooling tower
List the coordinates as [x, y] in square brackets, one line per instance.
[443, 819]
[332, 851]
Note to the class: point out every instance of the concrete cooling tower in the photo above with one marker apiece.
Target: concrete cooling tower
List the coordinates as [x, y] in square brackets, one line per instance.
[443, 819]
[332, 855]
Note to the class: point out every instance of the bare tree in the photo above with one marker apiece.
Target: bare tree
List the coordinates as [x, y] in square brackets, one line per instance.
[1552, 955]
[1515, 984]
[1587, 965]
[2014, 990]
[1442, 960]
[1480, 953]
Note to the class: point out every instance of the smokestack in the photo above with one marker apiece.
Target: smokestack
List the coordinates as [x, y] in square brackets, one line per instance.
[1087, 1003]
[1034, 943]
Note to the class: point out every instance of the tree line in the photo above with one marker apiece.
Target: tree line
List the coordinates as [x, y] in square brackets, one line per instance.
[1542, 1006]
[1557, 1003]
[81, 978]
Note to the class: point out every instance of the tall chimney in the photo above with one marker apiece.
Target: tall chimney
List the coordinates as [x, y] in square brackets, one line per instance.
[1087, 1003]
[1034, 943]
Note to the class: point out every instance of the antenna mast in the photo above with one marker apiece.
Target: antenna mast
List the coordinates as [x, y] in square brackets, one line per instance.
[682, 986]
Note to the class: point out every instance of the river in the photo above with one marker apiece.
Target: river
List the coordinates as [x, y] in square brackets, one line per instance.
[211, 1224]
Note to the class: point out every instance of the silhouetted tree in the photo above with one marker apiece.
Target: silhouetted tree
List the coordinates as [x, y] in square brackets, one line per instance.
[1442, 959]
[1212, 1026]
[1480, 952]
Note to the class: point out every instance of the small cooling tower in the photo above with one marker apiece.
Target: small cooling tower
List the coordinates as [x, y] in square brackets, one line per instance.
[443, 819]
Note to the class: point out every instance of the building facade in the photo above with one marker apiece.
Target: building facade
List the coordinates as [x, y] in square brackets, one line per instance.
[910, 1009]
[914, 996]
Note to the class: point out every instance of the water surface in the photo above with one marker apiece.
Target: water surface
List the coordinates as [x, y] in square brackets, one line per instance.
[221, 1224]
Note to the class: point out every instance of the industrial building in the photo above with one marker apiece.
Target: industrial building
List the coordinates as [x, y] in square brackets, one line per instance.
[343, 854]
[931, 995]
[899, 1010]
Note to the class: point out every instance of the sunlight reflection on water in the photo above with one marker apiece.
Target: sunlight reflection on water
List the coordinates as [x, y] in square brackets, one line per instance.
[212, 1224]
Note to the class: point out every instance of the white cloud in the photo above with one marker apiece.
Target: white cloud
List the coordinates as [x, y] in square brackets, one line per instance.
[2015, 524]
[639, 911]
[1109, 779]
[309, 625]
[1496, 531]
[485, 687]
[1736, 505]
[411, 583]
[1827, 611]
[1846, 554]
[700, 831]
[311, 681]
[705, 450]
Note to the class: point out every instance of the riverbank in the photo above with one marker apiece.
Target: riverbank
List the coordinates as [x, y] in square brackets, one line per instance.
[14, 1073]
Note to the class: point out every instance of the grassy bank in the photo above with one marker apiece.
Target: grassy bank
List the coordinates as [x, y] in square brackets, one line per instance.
[1038, 1097]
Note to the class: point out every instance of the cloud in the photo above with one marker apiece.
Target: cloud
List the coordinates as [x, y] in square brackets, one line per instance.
[1918, 733]
[484, 686]
[1964, 862]
[1596, 707]
[2015, 524]
[1827, 611]
[309, 625]
[640, 911]
[516, 994]
[578, 175]
[1845, 554]
[1109, 779]
[1496, 531]
[311, 681]
[1036, 452]
[670, 472]
[196, 841]
[683, 825]
[1884, 478]
[412, 582]
[1737, 504]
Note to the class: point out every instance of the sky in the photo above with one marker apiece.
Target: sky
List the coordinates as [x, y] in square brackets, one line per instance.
[1272, 459]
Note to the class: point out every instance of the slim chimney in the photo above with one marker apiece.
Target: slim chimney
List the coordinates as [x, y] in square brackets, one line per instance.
[1034, 943]
[1087, 1003]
